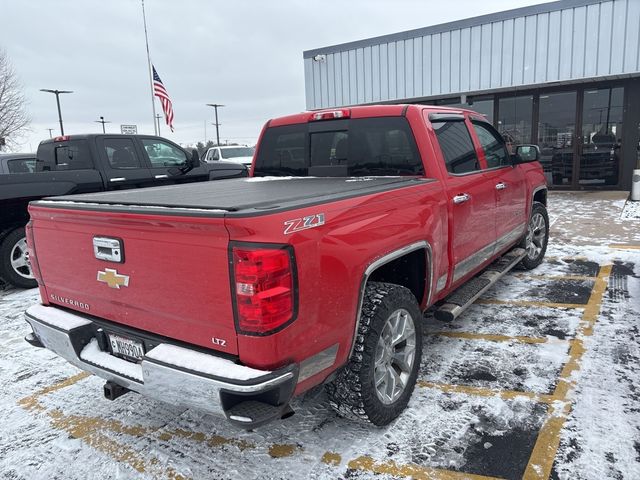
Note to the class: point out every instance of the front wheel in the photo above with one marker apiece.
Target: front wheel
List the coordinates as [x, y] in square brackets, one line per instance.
[537, 237]
[15, 268]
[378, 380]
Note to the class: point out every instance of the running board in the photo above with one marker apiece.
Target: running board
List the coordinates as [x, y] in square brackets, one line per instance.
[458, 301]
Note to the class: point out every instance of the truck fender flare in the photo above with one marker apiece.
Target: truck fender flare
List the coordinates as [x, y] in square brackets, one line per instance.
[534, 191]
[389, 257]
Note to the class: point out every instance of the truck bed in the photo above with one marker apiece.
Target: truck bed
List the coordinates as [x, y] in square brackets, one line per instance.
[235, 197]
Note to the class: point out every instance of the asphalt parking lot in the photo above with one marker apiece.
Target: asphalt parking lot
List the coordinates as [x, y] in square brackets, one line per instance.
[538, 380]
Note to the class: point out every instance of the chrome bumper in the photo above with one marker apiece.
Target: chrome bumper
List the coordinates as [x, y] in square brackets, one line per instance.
[168, 373]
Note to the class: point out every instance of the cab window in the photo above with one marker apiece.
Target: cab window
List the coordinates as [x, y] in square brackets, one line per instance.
[121, 153]
[493, 145]
[73, 155]
[163, 154]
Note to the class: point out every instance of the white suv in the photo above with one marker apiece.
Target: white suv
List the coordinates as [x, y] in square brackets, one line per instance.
[232, 153]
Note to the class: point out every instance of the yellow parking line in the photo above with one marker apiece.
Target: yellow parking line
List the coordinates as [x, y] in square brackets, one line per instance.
[389, 467]
[548, 441]
[554, 277]
[487, 392]
[31, 402]
[622, 246]
[488, 336]
[528, 303]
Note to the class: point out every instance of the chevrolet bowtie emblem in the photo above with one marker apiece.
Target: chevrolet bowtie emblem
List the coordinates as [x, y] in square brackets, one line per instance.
[112, 278]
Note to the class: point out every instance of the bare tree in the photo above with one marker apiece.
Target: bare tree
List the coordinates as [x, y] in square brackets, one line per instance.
[14, 119]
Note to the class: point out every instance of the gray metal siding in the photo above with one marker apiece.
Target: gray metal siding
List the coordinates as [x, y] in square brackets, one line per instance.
[572, 40]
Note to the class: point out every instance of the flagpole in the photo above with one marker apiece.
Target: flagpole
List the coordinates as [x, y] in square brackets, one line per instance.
[146, 39]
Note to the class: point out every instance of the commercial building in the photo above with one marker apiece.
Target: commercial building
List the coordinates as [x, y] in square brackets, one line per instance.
[564, 75]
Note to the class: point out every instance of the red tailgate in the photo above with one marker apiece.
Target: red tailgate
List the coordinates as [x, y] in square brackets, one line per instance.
[177, 269]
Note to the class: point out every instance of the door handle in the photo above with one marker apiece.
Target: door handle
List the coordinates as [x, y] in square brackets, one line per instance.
[162, 176]
[463, 197]
[501, 186]
[117, 179]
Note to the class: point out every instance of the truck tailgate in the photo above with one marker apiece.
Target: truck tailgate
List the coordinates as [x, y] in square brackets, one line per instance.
[173, 279]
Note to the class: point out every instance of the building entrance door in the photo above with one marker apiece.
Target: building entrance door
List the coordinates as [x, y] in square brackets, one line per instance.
[600, 145]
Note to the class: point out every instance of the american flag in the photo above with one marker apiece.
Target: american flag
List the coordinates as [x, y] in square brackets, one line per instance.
[161, 92]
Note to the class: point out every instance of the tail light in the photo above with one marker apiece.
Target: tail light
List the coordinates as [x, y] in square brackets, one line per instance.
[33, 260]
[62, 138]
[264, 286]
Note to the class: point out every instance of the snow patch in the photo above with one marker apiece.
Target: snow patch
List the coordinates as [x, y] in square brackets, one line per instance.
[201, 362]
[121, 205]
[272, 179]
[56, 317]
[92, 353]
[631, 211]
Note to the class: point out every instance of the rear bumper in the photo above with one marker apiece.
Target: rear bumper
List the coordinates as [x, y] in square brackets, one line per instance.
[168, 373]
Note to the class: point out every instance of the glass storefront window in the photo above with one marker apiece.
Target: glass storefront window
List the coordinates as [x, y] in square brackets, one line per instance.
[601, 136]
[515, 118]
[556, 130]
[483, 107]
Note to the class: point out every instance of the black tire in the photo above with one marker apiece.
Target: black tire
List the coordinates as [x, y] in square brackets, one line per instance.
[353, 393]
[10, 247]
[534, 258]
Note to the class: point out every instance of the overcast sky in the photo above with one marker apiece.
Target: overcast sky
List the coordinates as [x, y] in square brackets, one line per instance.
[244, 54]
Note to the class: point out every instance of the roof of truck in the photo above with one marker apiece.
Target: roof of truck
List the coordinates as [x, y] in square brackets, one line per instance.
[363, 111]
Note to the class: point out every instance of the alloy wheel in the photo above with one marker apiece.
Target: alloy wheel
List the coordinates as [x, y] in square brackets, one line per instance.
[536, 234]
[20, 259]
[395, 356]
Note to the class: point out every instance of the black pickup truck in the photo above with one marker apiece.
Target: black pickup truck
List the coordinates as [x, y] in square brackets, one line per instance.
[91, 163]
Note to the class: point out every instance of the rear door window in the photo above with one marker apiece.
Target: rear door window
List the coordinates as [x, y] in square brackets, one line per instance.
[121, 153]
[357, 147]
[456, 145]
[73, 155]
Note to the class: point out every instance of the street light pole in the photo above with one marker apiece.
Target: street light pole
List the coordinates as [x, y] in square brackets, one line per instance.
[102, 121]
[57, 94]
[215, 107]
[50, 130]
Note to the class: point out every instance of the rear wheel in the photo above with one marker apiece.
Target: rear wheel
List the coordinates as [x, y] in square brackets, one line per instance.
[15, 268]
[537, 237]
[379, 379]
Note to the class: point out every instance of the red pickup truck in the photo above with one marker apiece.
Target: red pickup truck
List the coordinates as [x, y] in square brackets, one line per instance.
[236, 296]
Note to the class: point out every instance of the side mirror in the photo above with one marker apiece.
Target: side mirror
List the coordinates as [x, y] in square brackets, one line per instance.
[526, 154]
[195, 159]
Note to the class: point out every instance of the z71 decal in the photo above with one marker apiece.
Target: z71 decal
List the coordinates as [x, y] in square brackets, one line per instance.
[297, 224]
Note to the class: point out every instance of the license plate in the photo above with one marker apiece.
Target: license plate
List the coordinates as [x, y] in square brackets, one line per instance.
[126, 347]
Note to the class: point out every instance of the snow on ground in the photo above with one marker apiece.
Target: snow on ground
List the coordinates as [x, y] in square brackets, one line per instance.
[631, 211]
[518, 339]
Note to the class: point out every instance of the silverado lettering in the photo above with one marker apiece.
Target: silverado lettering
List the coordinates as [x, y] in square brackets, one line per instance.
[69, 301]
[423, 199]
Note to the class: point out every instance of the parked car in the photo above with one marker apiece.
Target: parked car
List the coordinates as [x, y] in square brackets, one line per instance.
[17, 163]
[235, 297]
[88, 163]
[231, 153]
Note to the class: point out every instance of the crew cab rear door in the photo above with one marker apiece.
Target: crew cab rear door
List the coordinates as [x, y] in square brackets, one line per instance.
[470, 197]
[508, 181]
[122, 163]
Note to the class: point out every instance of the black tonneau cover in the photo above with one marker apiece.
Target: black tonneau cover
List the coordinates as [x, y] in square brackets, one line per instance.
[235, 197]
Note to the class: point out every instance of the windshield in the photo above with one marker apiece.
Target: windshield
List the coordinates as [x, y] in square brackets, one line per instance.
[340, 148]
[237, 152]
